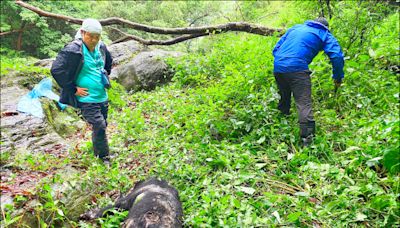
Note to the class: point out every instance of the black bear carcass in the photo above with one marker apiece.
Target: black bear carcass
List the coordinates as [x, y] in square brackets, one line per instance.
[152, 203]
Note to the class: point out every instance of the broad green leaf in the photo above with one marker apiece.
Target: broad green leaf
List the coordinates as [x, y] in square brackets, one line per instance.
[301, 194]
[373, 161]
[293, 217]
[371, 53]
[361, 217]
[60, 212]
[246, 190]
[260, 165]
[391, 160]
[277, 216]
[261, 140]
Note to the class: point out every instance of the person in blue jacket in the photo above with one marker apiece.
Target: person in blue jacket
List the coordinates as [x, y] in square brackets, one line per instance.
[292, 54]
[79, 69]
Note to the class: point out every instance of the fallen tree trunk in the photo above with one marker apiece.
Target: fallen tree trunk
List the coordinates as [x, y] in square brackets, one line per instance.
[156, 42]
[187, 32]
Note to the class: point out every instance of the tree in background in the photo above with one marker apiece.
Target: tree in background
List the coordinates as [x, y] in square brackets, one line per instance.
[353, 22]
[23, 30]
[46, 36]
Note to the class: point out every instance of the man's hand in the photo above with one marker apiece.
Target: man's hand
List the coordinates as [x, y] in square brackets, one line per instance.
[81, 91]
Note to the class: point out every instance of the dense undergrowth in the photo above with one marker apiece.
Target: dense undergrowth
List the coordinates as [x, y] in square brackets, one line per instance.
[215, 134]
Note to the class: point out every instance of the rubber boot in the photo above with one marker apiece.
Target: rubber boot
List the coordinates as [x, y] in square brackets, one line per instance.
[307, 132]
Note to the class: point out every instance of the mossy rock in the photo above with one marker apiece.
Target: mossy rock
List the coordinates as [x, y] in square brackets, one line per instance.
[66, 122]
[28, 77]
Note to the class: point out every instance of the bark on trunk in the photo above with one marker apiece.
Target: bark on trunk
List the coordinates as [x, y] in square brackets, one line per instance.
[19, 39]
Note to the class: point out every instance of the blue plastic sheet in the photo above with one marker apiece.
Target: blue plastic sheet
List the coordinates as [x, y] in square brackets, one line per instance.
[30, 102]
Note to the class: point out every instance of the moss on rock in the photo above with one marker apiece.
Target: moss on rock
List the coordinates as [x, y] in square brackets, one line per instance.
[66, 122]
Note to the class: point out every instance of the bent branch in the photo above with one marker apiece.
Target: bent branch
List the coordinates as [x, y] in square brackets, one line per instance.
[187, 32]
[11, 32]
[48, 14]
[157, 42]
[16, 30]
[231, 26]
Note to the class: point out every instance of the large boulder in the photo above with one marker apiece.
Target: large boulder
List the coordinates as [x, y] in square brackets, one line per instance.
[21, 131]
[146, 70]
[122, 52]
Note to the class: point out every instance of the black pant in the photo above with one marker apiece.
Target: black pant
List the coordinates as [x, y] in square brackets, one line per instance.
[298, 83]
[96, 115]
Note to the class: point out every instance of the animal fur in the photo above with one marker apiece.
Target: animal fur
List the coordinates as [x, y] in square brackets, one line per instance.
[152, 203]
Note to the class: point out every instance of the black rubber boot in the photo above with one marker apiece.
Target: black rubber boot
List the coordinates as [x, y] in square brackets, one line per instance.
[311, 128]
[307, 132]
[306, 142]
[106, 161]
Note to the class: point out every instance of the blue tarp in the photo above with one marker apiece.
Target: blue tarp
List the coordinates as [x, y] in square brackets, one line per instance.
[30, 102]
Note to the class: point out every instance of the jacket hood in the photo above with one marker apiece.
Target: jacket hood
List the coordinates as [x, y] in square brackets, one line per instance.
[316, 25]
[74, 47]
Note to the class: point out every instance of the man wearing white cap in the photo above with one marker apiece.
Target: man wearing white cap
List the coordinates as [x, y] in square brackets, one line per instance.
[81, 69]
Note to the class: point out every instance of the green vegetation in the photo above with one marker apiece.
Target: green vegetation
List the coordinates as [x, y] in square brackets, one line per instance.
[215, 134]
[12, 61]
[39, 36]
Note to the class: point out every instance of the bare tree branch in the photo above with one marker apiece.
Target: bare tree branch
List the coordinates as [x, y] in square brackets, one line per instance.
[48, 14]
[11, 32]
[156, 42]
[15, 30]
[231, 26]
[187, 32]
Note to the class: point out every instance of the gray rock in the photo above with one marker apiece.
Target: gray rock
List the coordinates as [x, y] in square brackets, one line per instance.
[20, 131]
[122, 52]
[65, 123]
[46, 63]
[146, 70]
[58, 189]
[9, 97]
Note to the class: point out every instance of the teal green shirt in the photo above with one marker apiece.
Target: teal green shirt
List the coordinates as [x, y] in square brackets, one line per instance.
[90, 76]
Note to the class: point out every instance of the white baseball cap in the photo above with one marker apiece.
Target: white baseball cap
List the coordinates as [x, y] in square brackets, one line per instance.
[92, 26]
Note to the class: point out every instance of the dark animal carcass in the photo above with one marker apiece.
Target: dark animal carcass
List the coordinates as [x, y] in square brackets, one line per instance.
[152, 203]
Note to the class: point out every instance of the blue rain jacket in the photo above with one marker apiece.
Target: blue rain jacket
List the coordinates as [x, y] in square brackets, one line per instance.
[301, 43]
